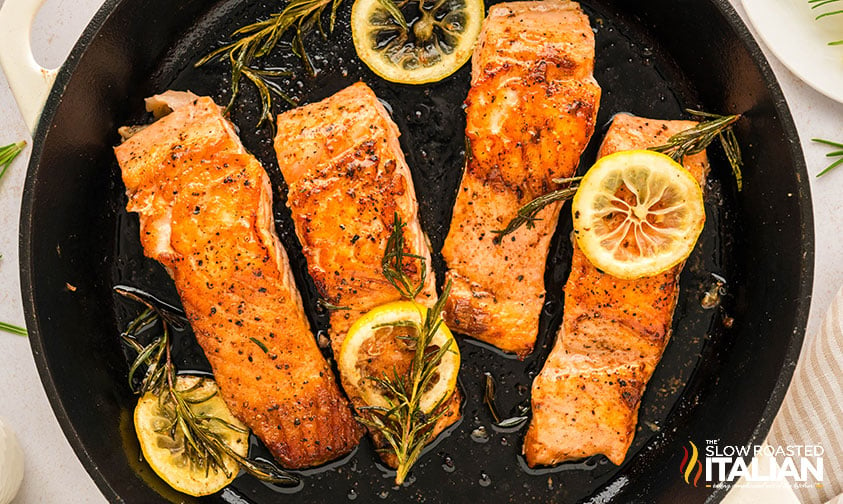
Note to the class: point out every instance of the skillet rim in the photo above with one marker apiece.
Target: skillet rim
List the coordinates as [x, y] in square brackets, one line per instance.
[806, 216]
[27, 238]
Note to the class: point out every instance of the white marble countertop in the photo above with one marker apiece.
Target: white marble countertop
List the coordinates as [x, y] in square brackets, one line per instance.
[52, 471]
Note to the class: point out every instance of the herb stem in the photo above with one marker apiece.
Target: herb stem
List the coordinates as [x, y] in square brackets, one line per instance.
[403, 425]
[696, 139]
[526, 215]
[11, 328]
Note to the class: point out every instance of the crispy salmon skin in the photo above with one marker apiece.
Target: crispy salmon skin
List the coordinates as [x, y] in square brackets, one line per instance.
[585, 400]
[205, 213]
[347, 180]
[530, 113]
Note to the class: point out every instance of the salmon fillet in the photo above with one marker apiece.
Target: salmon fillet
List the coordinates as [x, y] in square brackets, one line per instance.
[347, 179]
[531, 112]
[585, 400]
[205, 209]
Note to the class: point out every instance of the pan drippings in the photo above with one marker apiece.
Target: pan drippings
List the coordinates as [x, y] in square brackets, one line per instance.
[636, 75]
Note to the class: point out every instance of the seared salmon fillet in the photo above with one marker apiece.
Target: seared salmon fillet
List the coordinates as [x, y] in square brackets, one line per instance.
[585, 400]
[347, 179]
[205, 209]
[531, 112]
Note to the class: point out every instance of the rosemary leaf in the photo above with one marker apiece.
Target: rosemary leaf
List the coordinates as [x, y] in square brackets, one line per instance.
[265, 89]
[399, 323]
[395, 12]
[256, 40]
[826, 14]
[330, 306]
[199, 400]
[833, 154]
[263, 470]
[132, 343]
[8, 153]
[526, 215]
[489, 396]
[511, 422]
[260, 344]
[489, 401]
[393, 265]
[148, 357]
[830, 167]
[11, 328]
[729, 142]
[827, 142]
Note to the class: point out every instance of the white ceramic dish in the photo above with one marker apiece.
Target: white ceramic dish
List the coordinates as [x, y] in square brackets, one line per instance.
[800, 42]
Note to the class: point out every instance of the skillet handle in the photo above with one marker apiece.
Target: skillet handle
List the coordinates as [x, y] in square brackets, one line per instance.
[30, 82]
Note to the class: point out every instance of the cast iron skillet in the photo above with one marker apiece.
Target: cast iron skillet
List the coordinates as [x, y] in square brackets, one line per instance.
[717, 380]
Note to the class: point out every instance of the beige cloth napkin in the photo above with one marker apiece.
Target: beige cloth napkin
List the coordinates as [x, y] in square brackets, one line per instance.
[812, 411]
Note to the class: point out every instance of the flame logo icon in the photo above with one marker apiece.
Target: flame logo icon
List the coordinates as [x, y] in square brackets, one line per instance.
[691, 465]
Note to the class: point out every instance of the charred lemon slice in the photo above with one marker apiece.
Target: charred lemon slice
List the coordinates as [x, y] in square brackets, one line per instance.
[163, 443]
[637, 213]
[383, 343]
[415, 41]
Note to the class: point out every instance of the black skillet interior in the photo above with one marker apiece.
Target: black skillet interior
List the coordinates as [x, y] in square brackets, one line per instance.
[654, 58]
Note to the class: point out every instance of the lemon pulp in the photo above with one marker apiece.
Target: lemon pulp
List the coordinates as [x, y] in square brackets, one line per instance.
[382, 343]
[438, 40]
[163, 446]
[637, 213]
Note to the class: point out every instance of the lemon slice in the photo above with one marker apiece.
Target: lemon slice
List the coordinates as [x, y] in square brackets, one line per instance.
[637, 213]
[438, 40]
[378, 343]
[166, 453]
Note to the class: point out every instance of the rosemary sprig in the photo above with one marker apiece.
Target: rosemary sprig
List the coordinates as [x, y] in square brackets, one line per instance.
[820, 3]
[8, 153]
[697, 139]
[258, 39]
[393, 266]
[838, 153]
[205, 447]
[690, 141]
[526, 215]
[405, 427]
